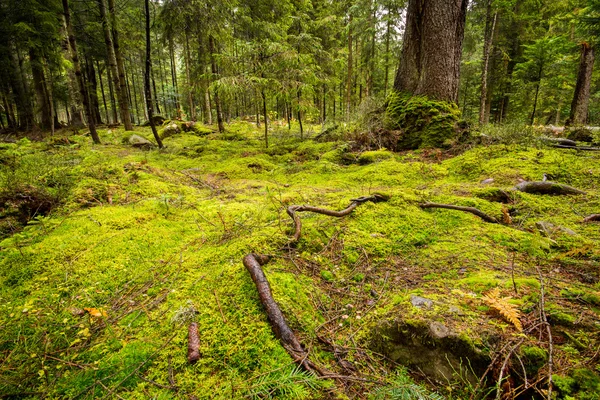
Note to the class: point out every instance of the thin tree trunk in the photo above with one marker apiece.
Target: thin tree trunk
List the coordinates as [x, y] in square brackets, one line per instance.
[120, 72]
[215, 71]
[490, 27]
[188, 61]
[78, 75]
[387, 54]
[349, 77]
[581, 97]
[537, 92]
[264, 102]
[174, 76]
[39, 85]
[113, 103]
[208, 115]
[154, 90]
[300, 115]
[51, 99]
[135, 99]
[147, 77]
[102, 91]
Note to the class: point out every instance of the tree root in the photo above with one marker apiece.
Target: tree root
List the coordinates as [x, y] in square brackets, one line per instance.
[593, 217]
[547, 187]
[292, 210]
[471, 210]
[254, 263]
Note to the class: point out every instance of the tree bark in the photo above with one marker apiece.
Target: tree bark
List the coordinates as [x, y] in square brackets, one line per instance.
[19, 88]
[174, 76]
[188, 76]
[120, 72]
[490, 27]
[264, 104]
[78, 75]
[581, 98]
[147, 77]
[93, 90]
[430, 62]
[113, 103]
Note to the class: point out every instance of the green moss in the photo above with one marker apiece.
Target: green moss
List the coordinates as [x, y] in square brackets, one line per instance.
[534, 358]
[422, 121]
[327, 276]
[369, 157]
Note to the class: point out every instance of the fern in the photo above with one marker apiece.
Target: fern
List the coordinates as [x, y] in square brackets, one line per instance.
[282, 384]
[501, 304]
[403, 388]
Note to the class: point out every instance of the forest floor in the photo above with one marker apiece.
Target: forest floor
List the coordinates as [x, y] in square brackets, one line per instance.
[130, 246]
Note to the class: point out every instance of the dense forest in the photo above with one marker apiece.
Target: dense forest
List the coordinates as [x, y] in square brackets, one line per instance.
[299, 199]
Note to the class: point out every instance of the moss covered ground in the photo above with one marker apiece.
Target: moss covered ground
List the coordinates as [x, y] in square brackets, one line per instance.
[96, 295]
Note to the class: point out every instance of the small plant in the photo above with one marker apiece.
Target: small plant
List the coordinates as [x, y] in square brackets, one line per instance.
[403, 388]
[501, 304]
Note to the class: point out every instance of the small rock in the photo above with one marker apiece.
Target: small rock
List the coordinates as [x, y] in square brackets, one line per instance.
[456, 310]
[438, 330]
[547, 229]
[420, 302]
[140, 142]
[170, 130]
[487, 181]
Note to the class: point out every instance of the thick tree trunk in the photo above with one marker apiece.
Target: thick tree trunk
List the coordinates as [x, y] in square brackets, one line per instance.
[19, 89]
[215, 71]
[74, 111]
[39, 85]
[490, 27]
[430, 62]
[113, 103]
[581, 98]
[78, 74]
[93, 90]
[120, 72]
[147, 78]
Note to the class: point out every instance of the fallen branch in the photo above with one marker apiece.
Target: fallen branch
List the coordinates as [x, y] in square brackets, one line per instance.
[254, 263]
[471, 210]
[559, 141]
[292, 210]
[547, 187]
[583, 148]
[593, 217]
[283, 332]
[193, 343]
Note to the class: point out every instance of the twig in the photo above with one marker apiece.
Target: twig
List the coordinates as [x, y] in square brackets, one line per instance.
[219, 305]
[471, 210]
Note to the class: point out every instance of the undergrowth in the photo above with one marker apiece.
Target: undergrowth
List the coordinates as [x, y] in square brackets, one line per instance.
[96, 291]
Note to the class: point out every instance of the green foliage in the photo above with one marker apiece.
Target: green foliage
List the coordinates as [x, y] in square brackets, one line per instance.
[423, 122]
[402, 387]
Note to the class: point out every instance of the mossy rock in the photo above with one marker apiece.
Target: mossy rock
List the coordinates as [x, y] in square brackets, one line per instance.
[422, 121]
[370, 157]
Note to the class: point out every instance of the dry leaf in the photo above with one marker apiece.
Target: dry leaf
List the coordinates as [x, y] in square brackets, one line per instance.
[96, 312]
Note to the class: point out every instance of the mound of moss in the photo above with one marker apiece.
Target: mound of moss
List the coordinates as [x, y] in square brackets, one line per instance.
[422, 121]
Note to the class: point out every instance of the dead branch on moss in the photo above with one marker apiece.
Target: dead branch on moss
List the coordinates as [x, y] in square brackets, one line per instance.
[471, 210]
[582, 148]
[591, 218]
[254, 263]
[547, 187]
[193, 343]
[283, 332]
[293, 210]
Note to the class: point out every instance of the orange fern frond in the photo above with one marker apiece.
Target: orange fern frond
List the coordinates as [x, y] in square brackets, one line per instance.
[503, 307]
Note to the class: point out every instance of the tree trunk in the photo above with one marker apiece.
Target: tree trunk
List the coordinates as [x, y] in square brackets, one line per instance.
[581, 98]
[188, 62]
[430, 62]
[74, 115]
[120, 83]
[113, 103]
[387, 54]
[174, 76]
[264, 103]
[39, 85]
[215, 71]
[78, 74]
[147, 77]
[349, 77]
[93, 90]
[490, 27]
[300, 114]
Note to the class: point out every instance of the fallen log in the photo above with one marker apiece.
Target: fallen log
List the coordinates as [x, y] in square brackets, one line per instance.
[283, 332]
[293, 210]
[593, 217]
[471, 210]
[547, 187]
[193, 343]
[582, 148]
[558, 141]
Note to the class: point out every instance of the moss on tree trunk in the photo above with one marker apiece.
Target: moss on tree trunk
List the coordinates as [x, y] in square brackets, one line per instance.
[423, 122]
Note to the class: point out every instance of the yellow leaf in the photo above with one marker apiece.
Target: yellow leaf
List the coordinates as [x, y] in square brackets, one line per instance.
[96, 312]
[501, 304]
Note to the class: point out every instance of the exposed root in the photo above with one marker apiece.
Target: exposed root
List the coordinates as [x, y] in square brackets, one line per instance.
[293, 210]
[548, 187]
[471, 210]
